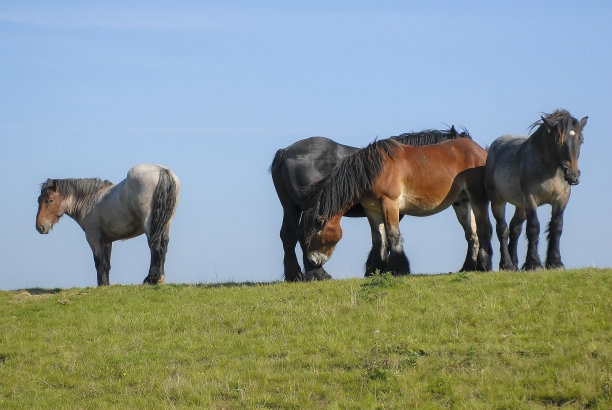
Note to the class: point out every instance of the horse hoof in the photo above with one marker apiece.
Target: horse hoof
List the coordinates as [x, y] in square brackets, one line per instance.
[316, 274]
[294, 276]
[532, 267]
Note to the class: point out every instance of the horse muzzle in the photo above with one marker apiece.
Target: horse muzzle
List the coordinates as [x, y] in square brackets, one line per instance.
[317, 258]
[43, 229]
[572, 177]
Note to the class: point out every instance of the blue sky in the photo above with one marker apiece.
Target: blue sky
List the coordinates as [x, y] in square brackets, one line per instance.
[213, 89]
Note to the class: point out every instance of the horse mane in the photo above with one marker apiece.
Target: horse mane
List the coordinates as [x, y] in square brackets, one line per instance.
[564, 122]
[429, 137]
[85, 191]
[347, 182]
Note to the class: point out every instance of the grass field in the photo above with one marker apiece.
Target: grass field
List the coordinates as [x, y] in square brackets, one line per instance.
[495, 340]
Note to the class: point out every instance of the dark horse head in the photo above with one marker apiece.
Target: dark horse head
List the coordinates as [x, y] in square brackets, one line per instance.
[558, 139]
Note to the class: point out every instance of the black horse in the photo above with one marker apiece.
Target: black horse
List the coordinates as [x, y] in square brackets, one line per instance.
[296, 167]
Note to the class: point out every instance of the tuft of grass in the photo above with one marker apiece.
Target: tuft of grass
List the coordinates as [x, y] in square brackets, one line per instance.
[375, 287]
[504, 340]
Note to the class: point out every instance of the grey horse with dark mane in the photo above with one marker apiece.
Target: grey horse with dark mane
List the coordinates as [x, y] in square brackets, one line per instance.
[529, 172]
[144, 202]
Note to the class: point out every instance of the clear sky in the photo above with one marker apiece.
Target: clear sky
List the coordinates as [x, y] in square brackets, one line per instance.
[212, 89]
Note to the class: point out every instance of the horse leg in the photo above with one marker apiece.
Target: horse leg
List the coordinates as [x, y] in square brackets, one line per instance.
[498, 209]
[484, 232]
[289, 237]
[532, 262]
[158, 247]
[101, 253]
[397, 262]
[555, 228]
[377, 259]
[465, 216]
[516, 227]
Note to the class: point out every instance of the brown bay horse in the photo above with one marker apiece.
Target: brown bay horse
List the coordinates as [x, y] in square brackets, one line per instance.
[389, 179]
[144, 202]
[529, 172]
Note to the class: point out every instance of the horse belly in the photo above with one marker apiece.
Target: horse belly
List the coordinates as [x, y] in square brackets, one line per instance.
[118, 219]
[122, 226]
[419, 205]
[508, 185]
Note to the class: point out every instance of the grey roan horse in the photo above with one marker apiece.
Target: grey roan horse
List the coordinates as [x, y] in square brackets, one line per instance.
[529, 172]
[144, 202]
[309, 160]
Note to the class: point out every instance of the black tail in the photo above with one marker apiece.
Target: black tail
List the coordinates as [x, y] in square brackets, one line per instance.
[163, 205]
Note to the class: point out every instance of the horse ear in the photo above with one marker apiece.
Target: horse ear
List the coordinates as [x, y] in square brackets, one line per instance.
[583, 122]
[453, 131]
[549, 124]
[53, 185]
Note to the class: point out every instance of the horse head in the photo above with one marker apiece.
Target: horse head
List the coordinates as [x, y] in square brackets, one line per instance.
[50, 208]
[322, 236]
[566, 133]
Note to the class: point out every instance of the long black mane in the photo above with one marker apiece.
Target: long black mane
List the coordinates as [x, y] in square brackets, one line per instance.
[429, 137]
[346, 183]
[84, 191]
[564, 123]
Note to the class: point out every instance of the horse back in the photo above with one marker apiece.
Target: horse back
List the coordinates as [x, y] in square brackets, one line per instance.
[459, 154]
[302, 163]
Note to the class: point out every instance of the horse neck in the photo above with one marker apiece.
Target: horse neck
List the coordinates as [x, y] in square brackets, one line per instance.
[81, 195]
[545, 146]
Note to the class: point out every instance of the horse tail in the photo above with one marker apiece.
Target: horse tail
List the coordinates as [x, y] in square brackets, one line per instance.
[278, 158]
[165, 198]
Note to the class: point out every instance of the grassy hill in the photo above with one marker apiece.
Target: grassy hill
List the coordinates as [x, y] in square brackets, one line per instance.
[509, 340]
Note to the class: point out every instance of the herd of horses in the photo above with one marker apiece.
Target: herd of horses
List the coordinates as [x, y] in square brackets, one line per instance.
[318, 181]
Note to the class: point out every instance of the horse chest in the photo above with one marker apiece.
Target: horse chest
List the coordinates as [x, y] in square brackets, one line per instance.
[549, 191]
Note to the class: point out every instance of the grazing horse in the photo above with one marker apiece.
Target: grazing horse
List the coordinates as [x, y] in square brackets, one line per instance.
[299, 165]
[528, 172]
[144, 202]
[389, 179]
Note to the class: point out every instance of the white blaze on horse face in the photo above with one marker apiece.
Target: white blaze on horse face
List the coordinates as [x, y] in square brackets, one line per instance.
[572, 133]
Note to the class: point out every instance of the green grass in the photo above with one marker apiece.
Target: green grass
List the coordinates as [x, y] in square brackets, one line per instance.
[497, 340]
